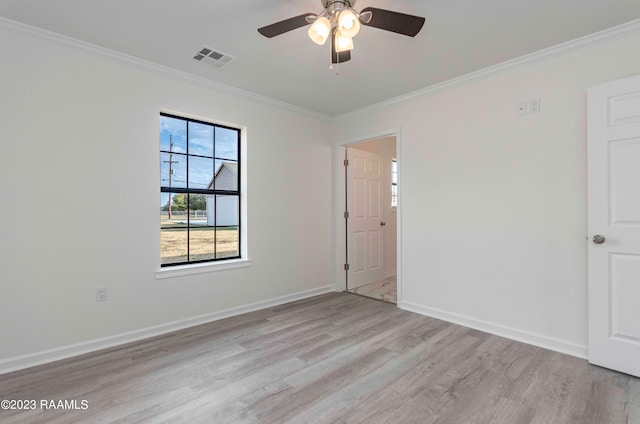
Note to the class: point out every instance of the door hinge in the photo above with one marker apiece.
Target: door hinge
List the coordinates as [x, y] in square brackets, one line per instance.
[346, 267]
[346, 162]
[346, 215]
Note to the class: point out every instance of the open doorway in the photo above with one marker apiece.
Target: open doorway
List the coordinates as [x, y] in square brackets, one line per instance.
[371, 200]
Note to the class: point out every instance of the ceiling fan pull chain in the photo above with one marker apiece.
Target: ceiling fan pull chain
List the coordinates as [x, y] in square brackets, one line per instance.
[336, 68]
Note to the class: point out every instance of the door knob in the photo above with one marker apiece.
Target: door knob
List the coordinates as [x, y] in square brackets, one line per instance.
[598, 239]
[382, 223]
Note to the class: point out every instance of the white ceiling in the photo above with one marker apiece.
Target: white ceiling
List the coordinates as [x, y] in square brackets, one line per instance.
[459, 37]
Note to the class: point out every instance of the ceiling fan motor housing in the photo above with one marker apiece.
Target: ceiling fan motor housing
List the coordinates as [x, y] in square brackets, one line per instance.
[348, 3]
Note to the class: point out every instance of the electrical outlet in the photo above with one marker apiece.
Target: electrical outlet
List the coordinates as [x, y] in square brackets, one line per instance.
[101, 293]
[534, 106]
[521, 108]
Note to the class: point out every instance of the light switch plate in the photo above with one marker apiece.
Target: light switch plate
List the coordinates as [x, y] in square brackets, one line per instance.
[102, 293]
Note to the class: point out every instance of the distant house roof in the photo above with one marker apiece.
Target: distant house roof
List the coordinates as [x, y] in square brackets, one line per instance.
[226, 177]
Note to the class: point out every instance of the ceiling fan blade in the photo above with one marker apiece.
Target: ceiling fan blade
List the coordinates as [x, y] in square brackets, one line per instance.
[287, 25]
[397, 22]
[338, 57]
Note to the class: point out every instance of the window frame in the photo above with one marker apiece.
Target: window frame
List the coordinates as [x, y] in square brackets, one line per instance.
[394, 205]
[204, 265]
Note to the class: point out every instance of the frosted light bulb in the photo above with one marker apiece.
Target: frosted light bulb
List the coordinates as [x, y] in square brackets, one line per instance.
[320, 30]
[343, 43]
[348, 23]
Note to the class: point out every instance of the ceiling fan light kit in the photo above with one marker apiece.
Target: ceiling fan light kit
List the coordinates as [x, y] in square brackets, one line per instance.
[348, 23]
[343, 43]
[340, 21]
[320, 30]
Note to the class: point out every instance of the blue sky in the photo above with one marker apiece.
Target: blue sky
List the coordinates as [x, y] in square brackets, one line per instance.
[200, 142]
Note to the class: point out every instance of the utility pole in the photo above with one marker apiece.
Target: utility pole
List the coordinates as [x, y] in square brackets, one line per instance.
[170, 162]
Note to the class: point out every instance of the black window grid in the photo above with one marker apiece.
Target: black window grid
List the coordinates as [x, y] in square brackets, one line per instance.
[214, 192]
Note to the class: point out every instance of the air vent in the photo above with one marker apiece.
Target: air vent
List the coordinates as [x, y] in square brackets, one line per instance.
[214, 58]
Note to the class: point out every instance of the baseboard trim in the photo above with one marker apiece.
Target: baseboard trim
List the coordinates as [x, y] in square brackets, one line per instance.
[390, 274]
[46, 356]
[546, 342]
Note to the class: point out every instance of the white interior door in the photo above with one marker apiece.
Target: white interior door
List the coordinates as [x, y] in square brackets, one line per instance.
[614, 225]
[364, 230]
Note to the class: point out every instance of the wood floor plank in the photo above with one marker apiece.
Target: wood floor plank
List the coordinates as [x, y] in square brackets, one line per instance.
[333, 358]
[339, 405]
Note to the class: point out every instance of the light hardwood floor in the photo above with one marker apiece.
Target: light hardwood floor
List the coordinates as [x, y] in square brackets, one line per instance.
[335, 358]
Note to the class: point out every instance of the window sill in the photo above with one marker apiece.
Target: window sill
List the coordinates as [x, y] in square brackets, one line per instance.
[182, 270]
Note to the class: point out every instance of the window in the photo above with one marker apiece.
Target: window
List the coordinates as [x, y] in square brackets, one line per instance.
[199, 191]
[394, 183]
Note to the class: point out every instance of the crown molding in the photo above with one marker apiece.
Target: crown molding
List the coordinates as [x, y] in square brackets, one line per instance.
[621, 31]
[38, 34]
[27, 31]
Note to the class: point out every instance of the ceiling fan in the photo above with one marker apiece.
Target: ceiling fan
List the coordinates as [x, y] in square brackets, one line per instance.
[340, 22]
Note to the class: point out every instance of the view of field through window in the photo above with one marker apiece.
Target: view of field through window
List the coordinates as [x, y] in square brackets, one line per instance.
[199, 191]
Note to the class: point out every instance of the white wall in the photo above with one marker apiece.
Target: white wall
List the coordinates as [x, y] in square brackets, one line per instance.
[386, 148]
[80, 199]
[494, 205]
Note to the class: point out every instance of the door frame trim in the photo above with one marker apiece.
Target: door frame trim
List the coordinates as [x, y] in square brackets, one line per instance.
[339, 206]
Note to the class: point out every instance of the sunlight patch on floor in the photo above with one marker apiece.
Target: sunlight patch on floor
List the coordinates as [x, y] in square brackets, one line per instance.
[385, 290]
